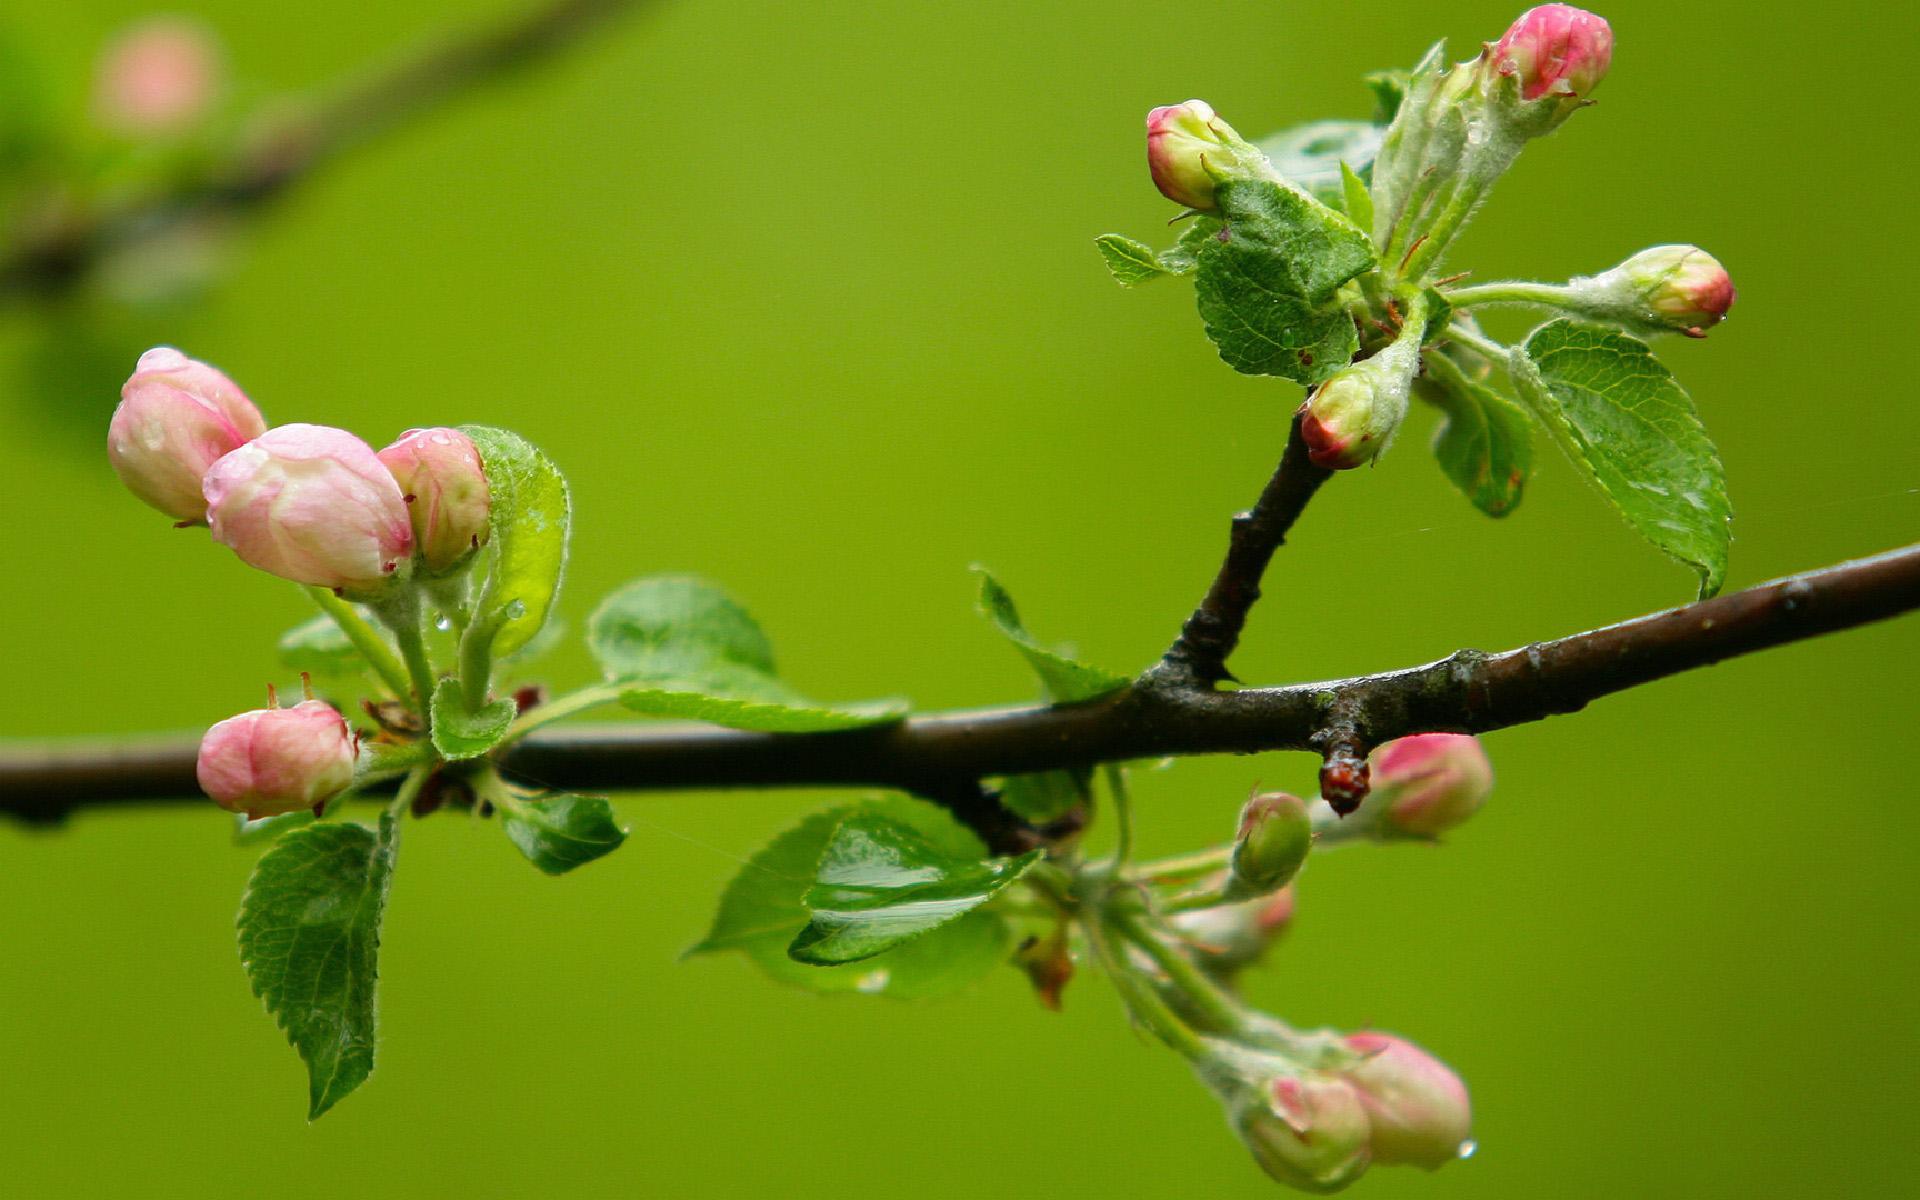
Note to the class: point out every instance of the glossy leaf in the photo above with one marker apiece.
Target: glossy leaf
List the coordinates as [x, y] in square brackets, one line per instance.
[1626, 422]
[560, 832]
[881, 884]
[1267, 292]
[1065, 680]
[309, 940]
[527, 539]
[1485, 444]
[460, 734]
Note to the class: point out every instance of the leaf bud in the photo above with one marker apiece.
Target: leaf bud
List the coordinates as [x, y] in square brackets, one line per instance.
[1429, 783]
[1275, 836]
[277, 760]
[445, 490]
[310, 504]
[1665, 289]
[157, 77]
[1555, 50]
[1417, 1107]
[1190, 150]
[175, 419]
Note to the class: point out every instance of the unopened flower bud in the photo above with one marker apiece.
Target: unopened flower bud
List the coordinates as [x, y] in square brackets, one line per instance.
[1677, 289]
[1427, 784]
[445, 489]
[277, 760]
[1352, 417]
[1556, 50]
[1229, 937]
[313, 505]
[1418, 1108]
[157, 77]
[1275, 835]
[1190, 150]
[1309, 1131]
[176, 418]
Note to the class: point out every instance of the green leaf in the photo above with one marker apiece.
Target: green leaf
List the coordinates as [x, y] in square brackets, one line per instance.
[310, 939]
[1485, 445]
[319, 648]
[1355, 200]
[1621, 417]
[1267, 294]
[1066, 680]
[881, 884]
[1389, 88]
[1044, 796]
[1128, 261]
[560, 832]
[762, 911]
[1183, 257]
[458, 733]
[689, 651]
[527, 537]
[1311, 156]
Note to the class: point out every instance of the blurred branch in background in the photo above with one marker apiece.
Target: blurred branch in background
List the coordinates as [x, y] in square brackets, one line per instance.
[61, 233]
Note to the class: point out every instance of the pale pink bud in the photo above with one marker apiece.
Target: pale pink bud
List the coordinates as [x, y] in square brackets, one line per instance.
[157, 77]
[313, 505]
[176, 418]
[1190, 150]
[445, 489]
[1229, 937]
[1685, 288]
[277, 760]
[1556, 49]
[1431, 782]
[1418, 1107]
[1307, 1131]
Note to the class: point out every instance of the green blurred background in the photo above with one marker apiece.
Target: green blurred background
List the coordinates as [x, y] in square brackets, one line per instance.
[803, 298]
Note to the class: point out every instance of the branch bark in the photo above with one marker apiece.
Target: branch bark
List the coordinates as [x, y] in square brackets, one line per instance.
[932, 755]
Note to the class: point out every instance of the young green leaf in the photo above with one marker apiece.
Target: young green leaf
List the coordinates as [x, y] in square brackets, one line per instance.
[1355, 200]
[1128, 261]
[309, 940]
[1397, 168]
[1623, 419]
[560, 832]
[1312, 156]
[532, 514]
[458, 733]
[880, 884]
[687, 650]
[321, 649]
[1066, 680]
[1044, 796]
[762, 911]
[1267, 292]
[1485, 445]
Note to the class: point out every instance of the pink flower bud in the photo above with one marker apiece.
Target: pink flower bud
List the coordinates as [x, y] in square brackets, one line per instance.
[1307, 1131]
[445, 489]
[176, 418]
[1683, 287]
[313, 505]
[277, 760]
[1275, 835]
[1418, 1107]
[1556, 49]
[1190, 150]
[157, 77]
[1429, 783]
[1230, 937]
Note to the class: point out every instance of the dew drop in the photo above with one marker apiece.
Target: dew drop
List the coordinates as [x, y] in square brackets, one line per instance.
[1468, 1149]
[443, 624]
[874, 981]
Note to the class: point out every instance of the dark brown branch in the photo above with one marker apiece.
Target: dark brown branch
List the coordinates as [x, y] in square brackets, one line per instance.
[1468, 692]
[262, 168]
[1199, 655]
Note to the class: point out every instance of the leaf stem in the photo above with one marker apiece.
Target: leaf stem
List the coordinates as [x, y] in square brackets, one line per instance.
[365, 638]
[1183, 867]
[401, 613]
[1480, 344]
[590, 697]
[1513, 291]
[409, 790]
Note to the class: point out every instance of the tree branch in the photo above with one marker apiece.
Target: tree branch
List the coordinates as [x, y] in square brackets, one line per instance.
[932, 755]
[259, 170]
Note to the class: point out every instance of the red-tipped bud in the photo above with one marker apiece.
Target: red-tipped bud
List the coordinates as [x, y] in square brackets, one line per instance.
[277, 760]
[1190, 150]
[176, 418]
[1682, 288]
[1556, 50]
[1308, 1131]
[157, 77]
[1427, 784]
[446, 492]
[1418, 1108]
[1275, 835]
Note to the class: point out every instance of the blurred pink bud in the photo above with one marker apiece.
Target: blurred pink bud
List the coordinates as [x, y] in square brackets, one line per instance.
[1556, 49]
[1418, 1107]
[176, 418]
[313, 505]
[1229, 937]
[1307, 1131]
[1431, 782]
[157, 77]
[277, 760]
[446, 493]
[1685, 288]
[1275, 835]
[1190, 150]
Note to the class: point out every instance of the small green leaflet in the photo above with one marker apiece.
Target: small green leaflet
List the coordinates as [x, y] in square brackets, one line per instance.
[319, 648]
[560, 832]
[1044, 796]
[532, 514]
[762, 911]
[1131, 263]
[1266, 289]
[1312, 156]
[880, 884]
[687, 650]
[309, 940]
[1355, 200]
[1066, 680]
[459, 734]
[1620, 416]
[1485, 445]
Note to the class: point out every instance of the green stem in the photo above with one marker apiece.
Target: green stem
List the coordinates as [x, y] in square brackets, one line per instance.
[1138, 995]
[1183, 867]
[365, 638]
[402, 614]
[1484, 346]
[476, 656]
[1220, 1010]
[409, 789]
[1465, 198]
[1543, 295]
[1122, 814]
[590, 697]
